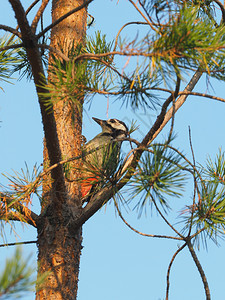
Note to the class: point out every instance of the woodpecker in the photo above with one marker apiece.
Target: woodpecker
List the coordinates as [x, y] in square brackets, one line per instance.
[101, 154]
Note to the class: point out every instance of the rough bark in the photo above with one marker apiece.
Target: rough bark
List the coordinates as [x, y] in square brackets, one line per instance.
[59, 244]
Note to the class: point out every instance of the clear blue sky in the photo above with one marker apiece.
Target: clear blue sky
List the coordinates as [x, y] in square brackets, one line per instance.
[116, 263]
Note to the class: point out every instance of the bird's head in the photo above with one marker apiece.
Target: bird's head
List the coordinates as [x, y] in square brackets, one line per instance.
[114, 127]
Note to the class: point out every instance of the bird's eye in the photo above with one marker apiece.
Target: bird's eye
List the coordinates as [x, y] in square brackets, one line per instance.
[112, 121]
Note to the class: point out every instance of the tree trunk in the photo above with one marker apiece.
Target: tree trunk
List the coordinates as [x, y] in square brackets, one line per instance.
[59, 244]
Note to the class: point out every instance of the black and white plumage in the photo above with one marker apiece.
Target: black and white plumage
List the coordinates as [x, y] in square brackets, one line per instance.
[103, 161]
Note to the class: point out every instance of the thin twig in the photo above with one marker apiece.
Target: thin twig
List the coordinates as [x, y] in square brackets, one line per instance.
[173, 109]
[196, 233]
[195, 183]
[165, 219]
[169, 269]
[202, 95]
[125, 25]
[221, 6]
[39, 14]
[121, 53]
[191, 146]
[105, 92]
[10, 29]
[11, 47]
[31, 6]
[141, 233]
[18, 243]
[172, 122]
[143, 16]
[26, 13]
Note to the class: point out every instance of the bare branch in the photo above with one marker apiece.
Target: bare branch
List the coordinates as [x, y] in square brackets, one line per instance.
[27, 11]
[199, 267]
[165, 219]
[172, 123]
[10, 29]
[31, 6]
[11, 47]
[169, 269]
[20, 217]
[63, 17]
[142, 4]
[105, 92]
[221, 6]
[18, 243]
[121, 53]
[39, 14]
[161, 117]
[143, 16]
[125, 25]
[195, 182]
[202, 95]
[141, 233]
[180, 101]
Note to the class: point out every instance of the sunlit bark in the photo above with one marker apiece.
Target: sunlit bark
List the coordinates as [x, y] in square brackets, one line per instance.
[59, 243]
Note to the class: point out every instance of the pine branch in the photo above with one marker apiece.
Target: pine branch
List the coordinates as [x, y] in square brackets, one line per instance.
[63, 17]
[39, 14]
[10, 29]
[34, 57]
[20, 215]
[121, 53]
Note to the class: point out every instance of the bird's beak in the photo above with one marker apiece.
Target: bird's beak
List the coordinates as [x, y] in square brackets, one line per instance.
[99, 121]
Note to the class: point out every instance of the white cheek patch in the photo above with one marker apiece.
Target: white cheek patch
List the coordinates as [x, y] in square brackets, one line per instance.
[118, 126]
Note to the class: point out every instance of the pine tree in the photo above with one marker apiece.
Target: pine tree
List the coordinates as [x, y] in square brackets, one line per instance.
[178, 38]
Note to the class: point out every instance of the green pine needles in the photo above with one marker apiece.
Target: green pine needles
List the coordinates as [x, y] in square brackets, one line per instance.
[16, 277]
[9, 57]
[160, 174]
